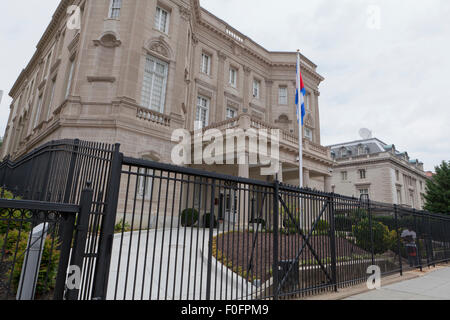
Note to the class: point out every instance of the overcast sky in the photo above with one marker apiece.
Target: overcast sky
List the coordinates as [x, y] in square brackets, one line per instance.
[391, 77]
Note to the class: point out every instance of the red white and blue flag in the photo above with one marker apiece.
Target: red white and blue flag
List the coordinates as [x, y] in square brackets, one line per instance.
[300, 93]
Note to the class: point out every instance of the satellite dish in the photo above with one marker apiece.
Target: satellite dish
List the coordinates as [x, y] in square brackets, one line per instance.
[365, 133]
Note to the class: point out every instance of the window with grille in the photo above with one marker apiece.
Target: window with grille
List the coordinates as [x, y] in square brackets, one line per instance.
[233, 77]
[162, 20]
[202, 114]
[114, 11]
[283, 95]
[154, 84]
[256, 89]
[206, 64]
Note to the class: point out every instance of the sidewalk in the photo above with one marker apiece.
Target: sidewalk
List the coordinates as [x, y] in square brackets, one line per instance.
[434, 285]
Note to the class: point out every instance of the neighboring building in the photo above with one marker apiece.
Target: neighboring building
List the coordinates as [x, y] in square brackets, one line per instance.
[137, 70]
[372, 167]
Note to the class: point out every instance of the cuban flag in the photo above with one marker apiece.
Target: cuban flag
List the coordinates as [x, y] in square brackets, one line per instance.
[300, 93]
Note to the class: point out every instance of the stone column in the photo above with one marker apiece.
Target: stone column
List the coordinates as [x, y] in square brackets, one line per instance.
[269, 102]
[328, 184]
[306, 178]
[220, 108]
[243, 202]
[246, 103]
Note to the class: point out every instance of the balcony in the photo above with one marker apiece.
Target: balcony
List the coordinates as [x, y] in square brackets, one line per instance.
[288, 142]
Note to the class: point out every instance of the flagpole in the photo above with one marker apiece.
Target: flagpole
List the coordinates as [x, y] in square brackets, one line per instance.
[300, 127]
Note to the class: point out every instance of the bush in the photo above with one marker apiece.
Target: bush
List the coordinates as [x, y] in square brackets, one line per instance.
[189, 217]
[322, 226]
[12, 220]
[48, 268]
[343, 223]
[260, 221]
[381, 236]
[358, 215]
[9, 241]
[206, 221]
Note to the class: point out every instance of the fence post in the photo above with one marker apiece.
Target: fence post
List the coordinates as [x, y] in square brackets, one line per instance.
[333, 241]
[210, 246]
[82, 227]
[275, 278]
[399, 244]
[369, 212]
[71, 173]
[419, 252]
[103, 262]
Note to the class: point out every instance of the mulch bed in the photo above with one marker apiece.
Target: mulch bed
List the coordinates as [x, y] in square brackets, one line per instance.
[236, 249]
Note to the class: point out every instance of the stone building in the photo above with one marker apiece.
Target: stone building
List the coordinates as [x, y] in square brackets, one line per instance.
[137, 70]
[375, 168]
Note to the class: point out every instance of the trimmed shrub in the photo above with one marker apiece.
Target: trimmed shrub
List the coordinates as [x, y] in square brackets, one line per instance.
[358, 215]
[381, 236]
[260, 221]
[343, 223]
[189, 217]
[322, 226]
[48, 268]
[206, 221]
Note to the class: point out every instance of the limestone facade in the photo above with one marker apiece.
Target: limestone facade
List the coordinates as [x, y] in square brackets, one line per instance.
[387, 175]
[138, 69]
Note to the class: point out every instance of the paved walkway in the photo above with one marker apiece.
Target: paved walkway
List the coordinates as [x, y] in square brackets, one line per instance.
[433, 286]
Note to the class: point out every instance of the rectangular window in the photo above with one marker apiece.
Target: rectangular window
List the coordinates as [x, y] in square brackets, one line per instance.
[256, 89]
[114, 11]
[206, 64]
[69, 79]
[154, 84]
[233, 77]
[362, 174]
[162, 20]
[344, 175]
[283, 95]
[397, 175]
[308, 102]
[50, 102]
[308, 134]
[202, 114]
[399, 196]
[38, 112]
[145, 183]
[363, 191]
[231, 113]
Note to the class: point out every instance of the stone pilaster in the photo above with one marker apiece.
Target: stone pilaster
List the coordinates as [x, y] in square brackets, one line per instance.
[220, 108]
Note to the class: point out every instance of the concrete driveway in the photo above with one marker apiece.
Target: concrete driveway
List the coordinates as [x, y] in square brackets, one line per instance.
[433, 286]
[170, 265]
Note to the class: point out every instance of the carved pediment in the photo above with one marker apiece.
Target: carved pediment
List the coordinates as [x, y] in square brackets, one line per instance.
[160, 47]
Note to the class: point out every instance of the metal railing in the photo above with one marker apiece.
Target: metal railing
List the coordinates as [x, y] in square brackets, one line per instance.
[162, 232]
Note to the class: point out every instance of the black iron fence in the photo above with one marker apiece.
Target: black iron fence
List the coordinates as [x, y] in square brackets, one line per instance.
[160, 232]
[38, 241]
